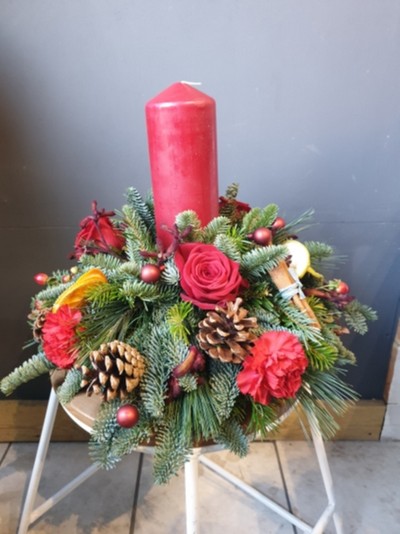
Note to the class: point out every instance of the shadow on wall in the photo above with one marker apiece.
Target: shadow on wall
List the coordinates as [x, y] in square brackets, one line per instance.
[23, 242]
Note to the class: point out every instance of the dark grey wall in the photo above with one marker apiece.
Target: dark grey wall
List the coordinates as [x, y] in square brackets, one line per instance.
[308, 116]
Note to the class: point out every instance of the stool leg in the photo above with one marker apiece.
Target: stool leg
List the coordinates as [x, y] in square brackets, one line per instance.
[191, 492]
[327, 480]
[41, 453]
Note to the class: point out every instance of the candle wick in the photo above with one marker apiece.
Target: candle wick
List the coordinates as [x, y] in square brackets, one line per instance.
[191, 83]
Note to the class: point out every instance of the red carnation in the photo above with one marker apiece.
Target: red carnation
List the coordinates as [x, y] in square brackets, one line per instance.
[273, 368]
[208, 277]
[98, 234]
[59, 336]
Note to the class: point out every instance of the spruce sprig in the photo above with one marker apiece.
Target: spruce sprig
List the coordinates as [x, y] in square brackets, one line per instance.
[143, 208]
[70, 386]
[37, 365]
[356, 316]
[256, 263]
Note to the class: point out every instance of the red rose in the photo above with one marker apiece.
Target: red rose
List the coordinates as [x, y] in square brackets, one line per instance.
[98, 234]
[208, 277]
[59, 336]
[273, 368]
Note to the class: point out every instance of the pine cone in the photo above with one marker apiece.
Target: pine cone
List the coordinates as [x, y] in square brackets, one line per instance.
[38, 318]
[117, 370]
[225, 333]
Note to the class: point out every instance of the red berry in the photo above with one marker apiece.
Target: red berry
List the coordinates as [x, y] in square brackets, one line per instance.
[278, 224]
[41, 278]
[150, 273]
[127, 416]
[342, 288]
[262, 236]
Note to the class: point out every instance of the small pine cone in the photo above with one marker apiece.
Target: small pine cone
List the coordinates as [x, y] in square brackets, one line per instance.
[117, 370]
[226, 333]
[38, 318]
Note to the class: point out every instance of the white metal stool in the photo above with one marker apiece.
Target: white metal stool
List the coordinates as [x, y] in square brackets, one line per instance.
[30, 514]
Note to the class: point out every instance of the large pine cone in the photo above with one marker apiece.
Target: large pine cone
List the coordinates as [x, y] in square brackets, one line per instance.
[226, 333]
[117, 370]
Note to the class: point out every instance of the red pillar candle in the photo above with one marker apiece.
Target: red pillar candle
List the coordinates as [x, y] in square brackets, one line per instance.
[181, 127]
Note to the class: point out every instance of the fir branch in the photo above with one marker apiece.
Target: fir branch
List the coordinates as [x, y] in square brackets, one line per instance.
[136, 230]
[228, 245]
[36, 366]
[104, 431]
[324, 395]
[143, 208]
[70, 386]
[188, 383]
[107, 263]
[356, 316]
[102, 294]
[251, 221]
[295, 226]
[219, 225]
[128, 439]
[268, 215]
[51, 293]
[154, 381]
[171, 451]
[170, 274]
[223, 387]
[319, 252]
[233, 437]
[189, 219]
[131, 268]
[296, 321]
[256, 263]
[133, 289]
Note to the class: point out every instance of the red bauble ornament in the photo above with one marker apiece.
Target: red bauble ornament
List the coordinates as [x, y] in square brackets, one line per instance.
[262, 236]
[278, 224]
[127, 416]
[342, 288]
[41, 278]
[150, 273]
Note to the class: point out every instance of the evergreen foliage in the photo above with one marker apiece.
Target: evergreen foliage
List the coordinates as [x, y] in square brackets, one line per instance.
[356, 315]
[184, 394]
[219, 225]
[228, 245]
[36, 366]
[256, 263]
[70, 386]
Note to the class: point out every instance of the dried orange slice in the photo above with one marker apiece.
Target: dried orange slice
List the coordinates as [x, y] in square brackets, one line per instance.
[75, 295]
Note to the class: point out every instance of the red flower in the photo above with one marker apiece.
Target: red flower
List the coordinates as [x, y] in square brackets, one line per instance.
[59, 336]
[98, 234]
[208, 277]
[273, 368]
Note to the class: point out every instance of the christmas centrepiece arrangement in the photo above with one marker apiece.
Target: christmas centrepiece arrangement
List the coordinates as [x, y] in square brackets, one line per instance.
[192, 318]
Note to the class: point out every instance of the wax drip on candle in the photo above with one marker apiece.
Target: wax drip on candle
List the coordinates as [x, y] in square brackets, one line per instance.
[191, 83]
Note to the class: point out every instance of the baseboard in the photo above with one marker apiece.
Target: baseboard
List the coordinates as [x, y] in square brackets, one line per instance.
[22, 421]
